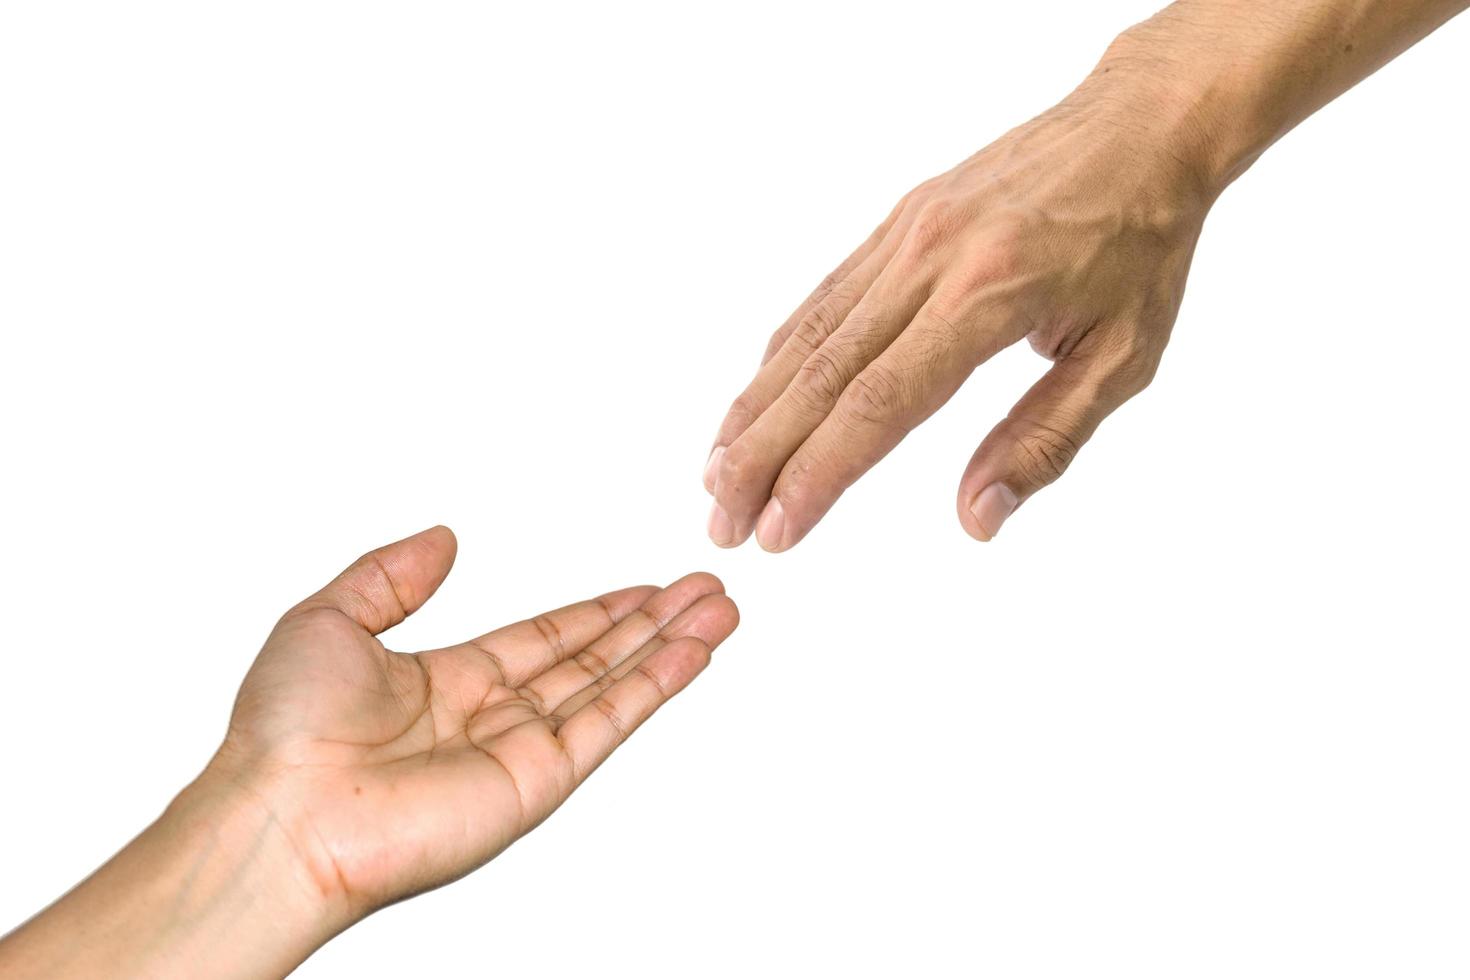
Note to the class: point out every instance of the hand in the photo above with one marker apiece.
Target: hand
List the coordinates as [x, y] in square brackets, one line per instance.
[353, 776]
[1074, 231]
[395, 773]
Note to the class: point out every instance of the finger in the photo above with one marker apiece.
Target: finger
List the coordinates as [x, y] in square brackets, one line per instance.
[586, 664]
[591, 734]
[710, 620]
[808, 327]
[387, 585]
[814, 327]
[905, 385]
[832, 280]
[750, 466]
[837, 275]
[1049, 425]
[523, 650]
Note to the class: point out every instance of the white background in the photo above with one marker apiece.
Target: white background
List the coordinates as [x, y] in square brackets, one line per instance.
[280, 282]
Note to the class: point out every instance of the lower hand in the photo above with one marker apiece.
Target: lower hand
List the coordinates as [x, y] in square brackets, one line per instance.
[395, 772]
[353, 776]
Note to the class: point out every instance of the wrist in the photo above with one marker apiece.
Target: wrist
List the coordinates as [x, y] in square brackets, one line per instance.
[1192, 112]
[214, 888]
[273, 852]
[233, 878]
[1219, 81]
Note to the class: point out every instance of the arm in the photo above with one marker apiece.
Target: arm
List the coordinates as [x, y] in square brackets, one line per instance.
[353, 776]
[1234, 76]
[1074, 231]
[215, 887]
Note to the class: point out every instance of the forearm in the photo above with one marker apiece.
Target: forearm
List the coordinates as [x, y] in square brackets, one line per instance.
[212, 889]
[1227, 78]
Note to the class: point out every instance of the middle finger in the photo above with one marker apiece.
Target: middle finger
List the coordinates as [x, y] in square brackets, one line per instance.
[750, 466]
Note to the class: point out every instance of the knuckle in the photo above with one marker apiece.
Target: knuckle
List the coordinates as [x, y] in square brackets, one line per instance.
[923, 192]
[867, 327]
[312, 615]
[820, 380]
[550, 634]
[1130, 358]
[778, 339]
[1136, 371]
[831, 281]
[813, 329]
[1044, 452]
[934, 225]
[620, 727]
[738, 467]
[743, 412]
[652, 679]
[805, 478]
[875, 395]
[997, 261]
[943, 330]
[591, 664]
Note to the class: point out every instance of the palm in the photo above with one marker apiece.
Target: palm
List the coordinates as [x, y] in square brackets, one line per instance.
[406, 771]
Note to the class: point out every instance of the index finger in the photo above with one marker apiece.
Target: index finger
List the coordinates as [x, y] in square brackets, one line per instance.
[825, 287]
[803, 332]
[900, 389]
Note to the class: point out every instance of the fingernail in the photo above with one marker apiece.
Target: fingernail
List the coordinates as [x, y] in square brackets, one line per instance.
[771, 526]
[712, 468]
[991, 508]
[721, 528]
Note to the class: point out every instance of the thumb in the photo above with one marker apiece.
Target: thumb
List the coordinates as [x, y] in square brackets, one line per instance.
[1046, 429]
[387, 585]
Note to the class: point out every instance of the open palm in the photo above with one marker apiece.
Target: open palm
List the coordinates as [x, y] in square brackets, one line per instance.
[394, 773]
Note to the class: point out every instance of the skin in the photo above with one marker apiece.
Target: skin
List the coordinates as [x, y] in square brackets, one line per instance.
[1074, 231]
[353, 776]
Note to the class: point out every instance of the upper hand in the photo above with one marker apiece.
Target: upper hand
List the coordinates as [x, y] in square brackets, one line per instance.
[1074, 231]
[393, 773]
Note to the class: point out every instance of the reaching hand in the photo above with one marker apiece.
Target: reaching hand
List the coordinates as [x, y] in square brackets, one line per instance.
[394, 773]
[1075, 231]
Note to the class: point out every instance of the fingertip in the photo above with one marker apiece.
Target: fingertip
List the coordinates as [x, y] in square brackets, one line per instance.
[436, 544]
[784, 523]
[724, 616]
[721, 528]
[443, 535]
[678, 663]
[712, 468]
[701, 583]
[988, 510]
[973, 530]
[739, 490]
[386, 585]
[963, 504]
[711, 618]
[623, 601]
[770, 528]
[734, 614]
